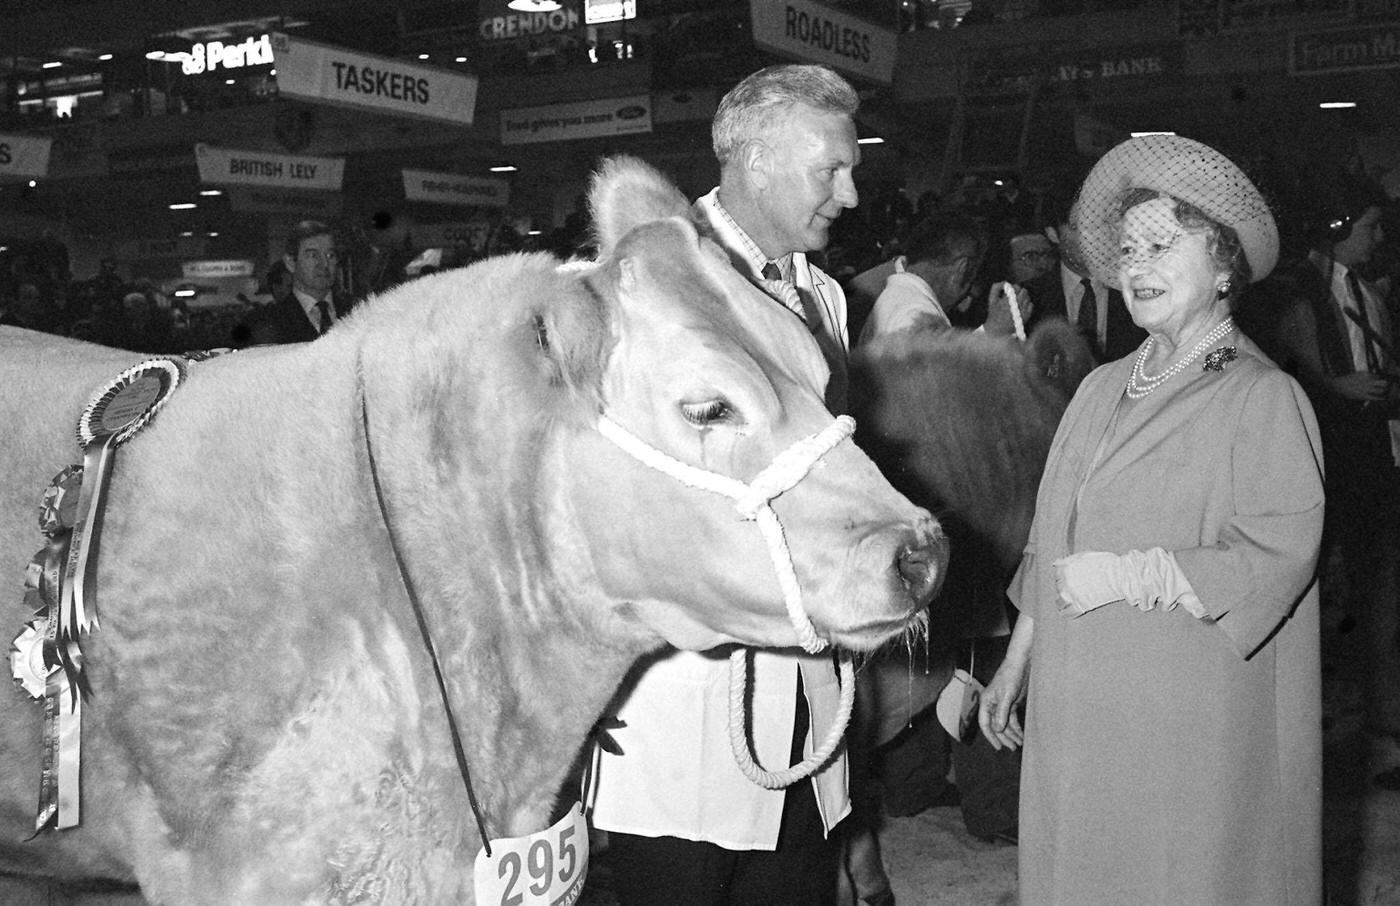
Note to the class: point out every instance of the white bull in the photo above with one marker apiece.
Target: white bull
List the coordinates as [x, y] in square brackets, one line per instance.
[264, 725]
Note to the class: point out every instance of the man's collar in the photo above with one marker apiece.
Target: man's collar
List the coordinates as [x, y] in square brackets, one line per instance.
[308, 301]
[738, 242]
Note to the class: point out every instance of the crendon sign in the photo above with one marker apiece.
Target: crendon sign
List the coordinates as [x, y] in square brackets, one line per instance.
[580, 119]
[452, 188]
[24, 156]
[1344, 49]
[819, 34]
[221, 166]
[331, 75]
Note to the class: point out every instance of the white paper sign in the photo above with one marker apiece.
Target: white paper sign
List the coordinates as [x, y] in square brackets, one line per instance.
[332, 75]
[24, 156]
[221, 166]
[210, 270]
[453, 188]
[543, 869]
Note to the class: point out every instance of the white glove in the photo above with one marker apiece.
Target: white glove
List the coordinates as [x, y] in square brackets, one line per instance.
[1144, 579]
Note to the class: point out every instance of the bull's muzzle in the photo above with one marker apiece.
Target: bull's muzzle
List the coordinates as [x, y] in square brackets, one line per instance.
[922, 562]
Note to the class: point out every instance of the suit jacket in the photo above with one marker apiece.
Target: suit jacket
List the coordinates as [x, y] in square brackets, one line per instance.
[1121, 335]
[281, 322]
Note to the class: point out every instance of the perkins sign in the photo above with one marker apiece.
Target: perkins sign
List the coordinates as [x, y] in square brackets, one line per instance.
[214, 55]
[812, 32]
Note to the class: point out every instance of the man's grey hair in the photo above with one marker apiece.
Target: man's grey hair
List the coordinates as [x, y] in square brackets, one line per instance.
[751, 108]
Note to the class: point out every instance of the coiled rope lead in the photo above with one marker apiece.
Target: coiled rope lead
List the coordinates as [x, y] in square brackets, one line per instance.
[754, 502]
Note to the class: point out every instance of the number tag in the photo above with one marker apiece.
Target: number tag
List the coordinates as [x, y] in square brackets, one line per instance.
[543, 869]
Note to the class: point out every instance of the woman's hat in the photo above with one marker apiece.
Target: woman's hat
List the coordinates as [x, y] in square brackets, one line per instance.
[1183, 169]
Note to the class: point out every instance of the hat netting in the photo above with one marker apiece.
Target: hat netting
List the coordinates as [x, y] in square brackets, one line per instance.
[1183, 169]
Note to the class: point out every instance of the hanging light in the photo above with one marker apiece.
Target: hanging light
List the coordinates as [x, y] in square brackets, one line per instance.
[535, 6]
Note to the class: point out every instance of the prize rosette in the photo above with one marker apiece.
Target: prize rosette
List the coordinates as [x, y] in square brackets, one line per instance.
[59, 507]
[27, 660]
[130, 400]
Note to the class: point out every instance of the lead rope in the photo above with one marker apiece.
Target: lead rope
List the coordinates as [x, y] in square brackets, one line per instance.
[753, 501]
[417, 604]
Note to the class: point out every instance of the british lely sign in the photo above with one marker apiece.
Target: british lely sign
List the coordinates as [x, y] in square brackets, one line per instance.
[24, 156]
[331, 75]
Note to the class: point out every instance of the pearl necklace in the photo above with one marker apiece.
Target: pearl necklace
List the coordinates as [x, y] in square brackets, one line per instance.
[1139, 384]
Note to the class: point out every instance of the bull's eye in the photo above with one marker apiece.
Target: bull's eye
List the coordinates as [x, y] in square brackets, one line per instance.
[707, 413]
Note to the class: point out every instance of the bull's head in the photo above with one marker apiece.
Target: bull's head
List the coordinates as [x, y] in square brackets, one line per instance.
[711, 375]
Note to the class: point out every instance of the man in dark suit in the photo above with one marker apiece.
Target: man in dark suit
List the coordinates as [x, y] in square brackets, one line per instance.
[311, 309]
[1098, 310]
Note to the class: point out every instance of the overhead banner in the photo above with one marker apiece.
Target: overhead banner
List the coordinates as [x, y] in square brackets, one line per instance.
[470, 234]
[145, 249]
[24, 156]
[331, 75]
[213, 270]
[258, 200]
[222, 167]
[453, 188]
[1344, 50]
[819, 34]
[579, 119]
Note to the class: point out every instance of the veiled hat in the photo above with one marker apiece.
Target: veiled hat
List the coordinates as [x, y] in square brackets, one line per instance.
[1183, 169]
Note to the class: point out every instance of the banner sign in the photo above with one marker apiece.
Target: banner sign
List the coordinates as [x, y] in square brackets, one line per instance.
[1201, 18]
[452, 188]
[499, 22]
[472, 234]
[220, 166]
[819, 34]
[144, 249]
[209, 56]
[24, 156]
[1002, 73]
[302, 205]
[322, 73]
[213, 270]
[1344, 50]
[580, 119]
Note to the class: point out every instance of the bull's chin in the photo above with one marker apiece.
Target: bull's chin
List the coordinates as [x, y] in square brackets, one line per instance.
[880, 633]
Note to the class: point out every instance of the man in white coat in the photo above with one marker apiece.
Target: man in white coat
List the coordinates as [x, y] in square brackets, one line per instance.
[685, 825]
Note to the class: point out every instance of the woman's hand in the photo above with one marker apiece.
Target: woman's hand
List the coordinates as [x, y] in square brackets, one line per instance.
[996, 714]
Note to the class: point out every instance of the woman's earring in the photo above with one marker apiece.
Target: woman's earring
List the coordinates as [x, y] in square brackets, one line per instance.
[1223, 289]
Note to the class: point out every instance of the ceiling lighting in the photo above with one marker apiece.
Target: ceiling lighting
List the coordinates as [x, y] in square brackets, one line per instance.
[187, 233]
[870, 140]
[104, 57]
[1337, 105]
[53, 64]
[533, 233]
[185, 293]
[183, 206]
[229, 82]
[213, 234]
[1141, 134]
[504, 169]
[422, 56]
[211, 191]
[534, 6]
[33, 183]
[461, 59]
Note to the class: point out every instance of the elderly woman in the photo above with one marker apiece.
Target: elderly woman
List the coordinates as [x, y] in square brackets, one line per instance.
[1168, 634]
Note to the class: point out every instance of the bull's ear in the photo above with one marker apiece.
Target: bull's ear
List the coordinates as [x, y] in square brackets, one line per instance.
[627, 193]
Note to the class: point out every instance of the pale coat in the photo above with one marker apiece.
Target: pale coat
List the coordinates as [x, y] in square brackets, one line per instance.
[1171, 760]
[677, 776]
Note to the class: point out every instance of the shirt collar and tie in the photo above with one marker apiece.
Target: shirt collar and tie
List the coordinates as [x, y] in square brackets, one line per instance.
[320, 312]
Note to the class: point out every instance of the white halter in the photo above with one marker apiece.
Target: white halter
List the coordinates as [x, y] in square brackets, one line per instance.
[754, 503]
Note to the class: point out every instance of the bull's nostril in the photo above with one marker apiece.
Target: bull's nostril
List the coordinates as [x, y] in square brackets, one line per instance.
[921, 569]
